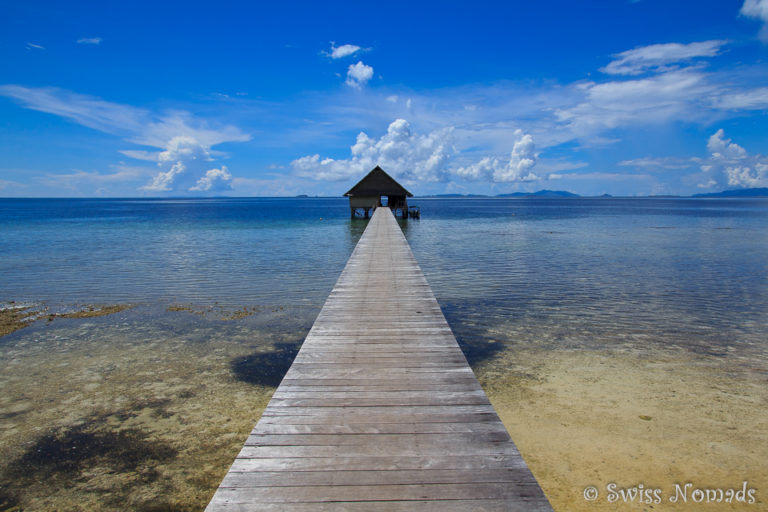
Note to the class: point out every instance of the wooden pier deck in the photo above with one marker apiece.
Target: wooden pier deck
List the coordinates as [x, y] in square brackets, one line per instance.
[380, 410]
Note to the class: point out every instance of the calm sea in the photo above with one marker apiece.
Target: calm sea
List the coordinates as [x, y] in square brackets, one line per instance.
[560, 272]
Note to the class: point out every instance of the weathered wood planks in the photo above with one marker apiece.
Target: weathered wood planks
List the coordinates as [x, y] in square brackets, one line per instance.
[379, 410]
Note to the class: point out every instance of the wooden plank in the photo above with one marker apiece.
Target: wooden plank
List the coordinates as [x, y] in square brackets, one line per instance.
[379, 492]
[372, 463]
[350, 420]
[401, 448]
[378, 428]
[379, 410]
[379, 439]
[405, 411]
[486, 505]
[333, 477]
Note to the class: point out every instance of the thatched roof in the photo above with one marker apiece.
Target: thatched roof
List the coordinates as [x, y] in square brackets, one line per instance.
[378, 183]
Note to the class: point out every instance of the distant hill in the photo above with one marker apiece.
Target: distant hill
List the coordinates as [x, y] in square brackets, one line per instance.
[450, 196]
[744, 192]
[541, 193]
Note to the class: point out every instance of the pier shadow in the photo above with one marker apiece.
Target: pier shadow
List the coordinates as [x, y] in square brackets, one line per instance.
[266, 368]
[477, 347]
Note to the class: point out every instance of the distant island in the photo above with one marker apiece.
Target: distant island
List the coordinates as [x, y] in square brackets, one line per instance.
[541, 193]
[457, 195]
[746, 192]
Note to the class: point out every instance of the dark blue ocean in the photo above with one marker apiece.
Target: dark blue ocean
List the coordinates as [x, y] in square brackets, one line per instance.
[561, 271]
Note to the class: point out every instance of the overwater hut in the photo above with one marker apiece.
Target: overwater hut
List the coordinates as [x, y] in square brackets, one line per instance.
[376, 189]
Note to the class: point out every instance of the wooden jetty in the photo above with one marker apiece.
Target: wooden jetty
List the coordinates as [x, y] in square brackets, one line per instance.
[380, 410]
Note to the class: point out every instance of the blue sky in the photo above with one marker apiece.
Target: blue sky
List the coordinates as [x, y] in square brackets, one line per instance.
[278, 99]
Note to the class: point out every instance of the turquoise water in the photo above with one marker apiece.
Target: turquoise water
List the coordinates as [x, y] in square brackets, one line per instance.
[564, 272]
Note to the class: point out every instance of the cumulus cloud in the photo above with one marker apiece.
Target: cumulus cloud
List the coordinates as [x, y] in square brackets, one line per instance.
[345, 50]
[215, 180]
[186, 168]
[720, 147]
[184, 142]
[415, 157]
[731, 165]
[359, 74]
[402, 153]
[757, 9]
[519, 166]
[660, 57]
[89, 40]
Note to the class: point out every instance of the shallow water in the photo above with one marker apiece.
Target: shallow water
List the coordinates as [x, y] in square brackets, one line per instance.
[140, 410]
[579, 316]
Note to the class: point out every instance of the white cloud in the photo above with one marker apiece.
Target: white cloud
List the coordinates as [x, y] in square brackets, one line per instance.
[414, 157]
[601, 176]
[757, 9]
[589, 114]
[186, 168]
[722, 148]
[680, 94]
[89, 40]
[185, 141]
[120, 180]
[359, 74]
[215, 180]
[660, 163]
[405, 155]
[88, 111]
[345, 50]
[660, 57]
[33, 46]
[74, 179]
[519, 167]
[754, 99]
[140, 154]
[731, 165]
[6, 185]
[135, 124]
